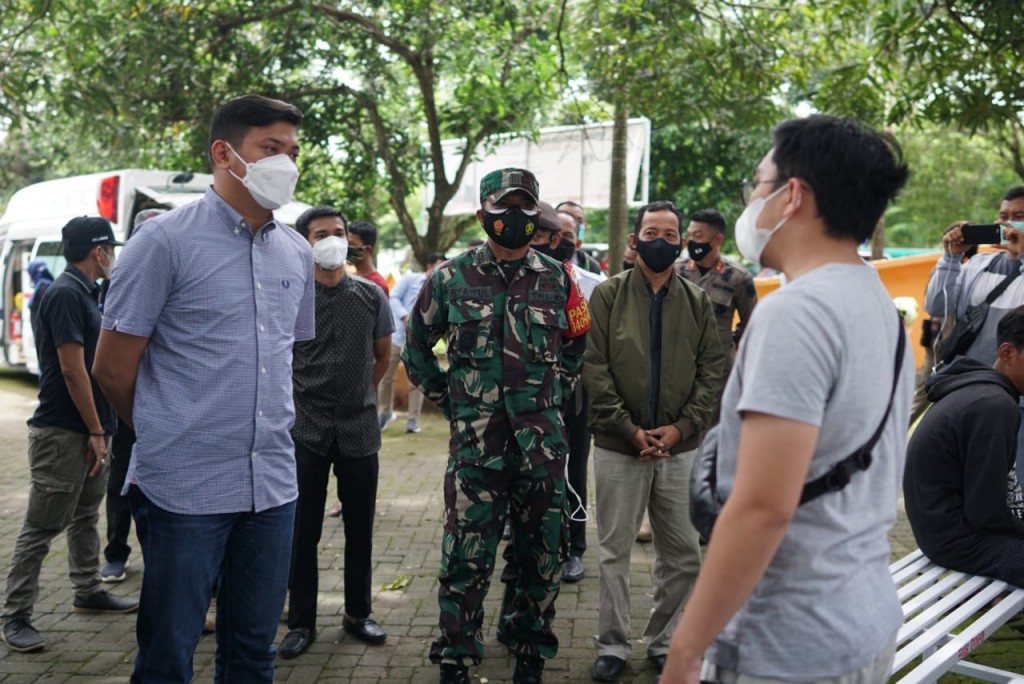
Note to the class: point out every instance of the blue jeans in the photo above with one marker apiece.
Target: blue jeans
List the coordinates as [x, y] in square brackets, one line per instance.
[185, 555]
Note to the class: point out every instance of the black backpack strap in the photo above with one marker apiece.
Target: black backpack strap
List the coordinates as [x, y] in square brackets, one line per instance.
[1001, 287]
[838, 476]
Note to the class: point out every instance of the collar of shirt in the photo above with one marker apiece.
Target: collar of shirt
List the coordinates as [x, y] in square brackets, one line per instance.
[484, 255]
[660, 294]
[90, 286]
[329, 290]
[718, 266]
[637, 280]
[233, 220]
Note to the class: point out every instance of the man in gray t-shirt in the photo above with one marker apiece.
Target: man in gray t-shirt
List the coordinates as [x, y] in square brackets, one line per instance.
[792, 593]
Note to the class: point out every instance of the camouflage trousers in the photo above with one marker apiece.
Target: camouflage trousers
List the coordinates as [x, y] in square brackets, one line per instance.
[477, 501]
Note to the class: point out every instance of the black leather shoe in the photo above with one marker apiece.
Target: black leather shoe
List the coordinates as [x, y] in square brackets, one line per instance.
[365, 629]
[528, 670]
[454, 674]
[296, 642]
[607, 669]
[658, 661]
[573, 570]
[104, 602]
[22, 637]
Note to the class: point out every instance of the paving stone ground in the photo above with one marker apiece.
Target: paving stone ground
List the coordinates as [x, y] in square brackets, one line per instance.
[100, 649]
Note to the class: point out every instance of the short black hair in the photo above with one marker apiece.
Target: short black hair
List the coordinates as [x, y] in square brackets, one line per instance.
[76, 253]
[306, 217]
[435, 257]
[853, 171]
[659, 205]
[1016, 192]
[234, 119]
[711, 217]
[1011, 328]
[366, 231]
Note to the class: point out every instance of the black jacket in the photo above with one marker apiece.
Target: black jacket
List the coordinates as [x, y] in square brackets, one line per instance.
[958, 460]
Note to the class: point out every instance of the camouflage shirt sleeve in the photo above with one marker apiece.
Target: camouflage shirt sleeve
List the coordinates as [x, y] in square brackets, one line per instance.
[427, 323]
[746, 300]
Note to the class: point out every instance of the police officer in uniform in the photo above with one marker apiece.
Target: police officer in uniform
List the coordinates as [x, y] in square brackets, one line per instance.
[729, 285]
[515, 326]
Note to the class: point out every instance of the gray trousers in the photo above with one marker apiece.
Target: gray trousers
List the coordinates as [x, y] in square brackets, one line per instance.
[62, 497]
[386, 388]
[874, 673]
[625, 488]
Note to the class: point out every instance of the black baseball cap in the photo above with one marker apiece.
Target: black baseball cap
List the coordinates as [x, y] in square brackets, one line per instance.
[86, 231]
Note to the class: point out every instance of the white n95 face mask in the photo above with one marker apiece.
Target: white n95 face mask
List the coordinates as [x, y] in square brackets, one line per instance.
[750, 239]
[108, 267]
[270, 181]
[329, 253]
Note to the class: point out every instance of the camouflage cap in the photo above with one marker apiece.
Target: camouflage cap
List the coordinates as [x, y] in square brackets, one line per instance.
[499, 183]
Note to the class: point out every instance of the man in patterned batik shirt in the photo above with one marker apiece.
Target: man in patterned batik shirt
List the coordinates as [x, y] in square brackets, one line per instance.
[335, 376]
[515, 324]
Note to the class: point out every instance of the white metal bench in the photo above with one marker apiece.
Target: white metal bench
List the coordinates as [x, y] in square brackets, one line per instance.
[937, 601]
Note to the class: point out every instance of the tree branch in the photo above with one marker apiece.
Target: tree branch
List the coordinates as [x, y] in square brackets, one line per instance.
[227, 24]
[967, 28]
[369, 27]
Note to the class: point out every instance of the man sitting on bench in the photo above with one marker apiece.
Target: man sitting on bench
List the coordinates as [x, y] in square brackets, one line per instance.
[959, 458]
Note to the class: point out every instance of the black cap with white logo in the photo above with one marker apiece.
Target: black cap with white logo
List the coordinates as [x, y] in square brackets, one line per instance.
[85, 231]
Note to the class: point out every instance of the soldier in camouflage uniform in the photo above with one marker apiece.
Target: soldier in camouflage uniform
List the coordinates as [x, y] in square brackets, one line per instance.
[729, 285]
[515, 327]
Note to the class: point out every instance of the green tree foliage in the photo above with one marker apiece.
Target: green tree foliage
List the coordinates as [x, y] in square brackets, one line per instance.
[958, 64]
[382, 83]
[954, 177]
[91, 84]
[702, 71]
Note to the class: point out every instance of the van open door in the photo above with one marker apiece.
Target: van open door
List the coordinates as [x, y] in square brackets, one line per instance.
[47, 250]
[14, 287]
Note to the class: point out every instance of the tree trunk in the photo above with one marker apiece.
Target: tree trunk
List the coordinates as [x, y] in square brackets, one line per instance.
[878, 240]
[618, 204]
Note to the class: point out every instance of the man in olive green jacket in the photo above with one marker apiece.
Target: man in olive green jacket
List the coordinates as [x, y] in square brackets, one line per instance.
[654, 372]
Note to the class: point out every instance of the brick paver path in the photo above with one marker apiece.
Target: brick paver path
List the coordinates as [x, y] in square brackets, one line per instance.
[94, 649]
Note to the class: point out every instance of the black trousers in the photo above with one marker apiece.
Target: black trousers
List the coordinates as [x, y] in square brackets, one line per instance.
[357, 489]
[119, 516]
[579, 454]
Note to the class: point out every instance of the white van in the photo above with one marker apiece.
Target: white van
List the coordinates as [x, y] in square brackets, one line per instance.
[31, 224]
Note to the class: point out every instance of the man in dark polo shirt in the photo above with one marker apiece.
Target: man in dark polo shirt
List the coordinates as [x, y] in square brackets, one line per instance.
[335, 376]
[68, 440]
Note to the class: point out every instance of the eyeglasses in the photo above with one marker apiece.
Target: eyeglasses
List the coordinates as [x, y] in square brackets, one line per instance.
[748, 186]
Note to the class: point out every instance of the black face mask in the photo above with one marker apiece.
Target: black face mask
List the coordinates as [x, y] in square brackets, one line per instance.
[512, 228]
[659, 254]
[562, 253]
[698, 250]
[355, 255]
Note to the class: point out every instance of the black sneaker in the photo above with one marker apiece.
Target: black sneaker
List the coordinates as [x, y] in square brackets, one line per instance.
[22, 637]
[454, 674]
[104, 602]
[528, 670]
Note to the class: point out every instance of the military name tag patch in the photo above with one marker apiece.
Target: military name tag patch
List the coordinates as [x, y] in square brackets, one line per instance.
[472, 293]
[547, 284]
[543, 297]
